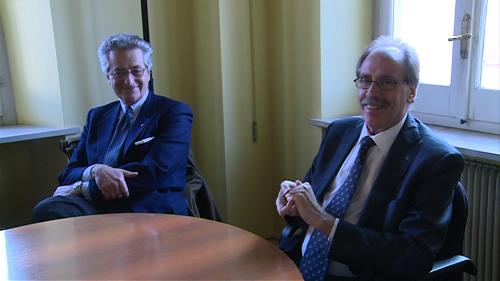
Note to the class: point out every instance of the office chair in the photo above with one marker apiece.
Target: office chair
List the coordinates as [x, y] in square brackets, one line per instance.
[198, 196]
[449, 264]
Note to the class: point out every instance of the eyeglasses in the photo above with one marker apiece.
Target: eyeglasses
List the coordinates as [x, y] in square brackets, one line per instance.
[385, 84]
[122, 73]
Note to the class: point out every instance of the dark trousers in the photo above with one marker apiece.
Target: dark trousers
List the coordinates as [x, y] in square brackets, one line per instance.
[58, 207]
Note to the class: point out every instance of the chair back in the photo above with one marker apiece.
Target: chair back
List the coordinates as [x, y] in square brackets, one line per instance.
[454, 240]
[199, 198]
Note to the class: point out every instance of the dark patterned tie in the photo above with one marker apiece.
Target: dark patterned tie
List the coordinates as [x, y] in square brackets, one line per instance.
[115, 146]
[314, 264]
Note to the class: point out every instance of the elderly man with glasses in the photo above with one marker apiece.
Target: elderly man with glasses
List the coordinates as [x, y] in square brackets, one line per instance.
[376, 202]
[133, 152]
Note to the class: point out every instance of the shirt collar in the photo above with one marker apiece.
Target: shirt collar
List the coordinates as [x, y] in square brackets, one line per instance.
[384, 139]
[136, 107]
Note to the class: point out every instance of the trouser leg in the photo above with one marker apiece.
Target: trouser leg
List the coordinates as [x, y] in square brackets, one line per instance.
[58, 207]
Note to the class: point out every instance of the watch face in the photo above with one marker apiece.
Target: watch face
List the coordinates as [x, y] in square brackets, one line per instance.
[77, 187]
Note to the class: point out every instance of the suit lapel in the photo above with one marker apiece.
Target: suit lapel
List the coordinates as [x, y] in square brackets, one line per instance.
[400, 156]
[347, 142]
[106, 127]
[140, 123]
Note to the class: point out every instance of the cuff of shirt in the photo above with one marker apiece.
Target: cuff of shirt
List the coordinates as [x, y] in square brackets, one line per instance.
[85, 190]
[86, 173]
[332, 232]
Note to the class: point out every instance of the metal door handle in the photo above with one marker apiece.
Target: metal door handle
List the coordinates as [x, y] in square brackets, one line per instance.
[460, 37]
[464, 37]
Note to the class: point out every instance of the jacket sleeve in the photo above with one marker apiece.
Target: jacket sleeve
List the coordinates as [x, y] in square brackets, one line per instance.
[78, 161]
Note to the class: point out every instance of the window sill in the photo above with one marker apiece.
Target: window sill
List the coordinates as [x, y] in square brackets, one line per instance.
[18, 133]
[469, 143]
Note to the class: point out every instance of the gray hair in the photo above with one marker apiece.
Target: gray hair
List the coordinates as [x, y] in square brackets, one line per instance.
[410, 57]
[124, 42]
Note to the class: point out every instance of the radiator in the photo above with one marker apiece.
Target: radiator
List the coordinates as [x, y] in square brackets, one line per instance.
[482, 232]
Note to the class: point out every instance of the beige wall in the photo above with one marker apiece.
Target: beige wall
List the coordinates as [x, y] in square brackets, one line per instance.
[79, 28]
[338, 57]
[205, 56]
[32, 56]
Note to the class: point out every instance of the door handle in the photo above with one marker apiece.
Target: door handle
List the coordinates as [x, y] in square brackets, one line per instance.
[460, 37]
[464, 37]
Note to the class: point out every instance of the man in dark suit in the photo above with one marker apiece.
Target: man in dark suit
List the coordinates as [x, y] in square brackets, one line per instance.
[377, 211]
[133, 152]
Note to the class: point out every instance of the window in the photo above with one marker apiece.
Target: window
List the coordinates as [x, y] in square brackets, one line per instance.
[458, 43]
[7, 110]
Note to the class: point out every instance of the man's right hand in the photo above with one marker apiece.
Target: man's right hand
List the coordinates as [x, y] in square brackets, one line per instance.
[285, 207]
[111, 181]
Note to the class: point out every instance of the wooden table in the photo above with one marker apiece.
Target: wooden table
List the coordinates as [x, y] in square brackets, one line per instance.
[139, 246]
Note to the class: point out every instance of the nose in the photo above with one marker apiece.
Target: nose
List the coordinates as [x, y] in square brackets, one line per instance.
[129, 78]
[373, 89]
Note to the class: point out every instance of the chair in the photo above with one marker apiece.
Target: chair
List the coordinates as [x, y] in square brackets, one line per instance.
[200, 201]
[198, 196]
[450, 264]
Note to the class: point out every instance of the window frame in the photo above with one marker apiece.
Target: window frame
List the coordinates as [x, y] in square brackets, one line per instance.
[461, 104]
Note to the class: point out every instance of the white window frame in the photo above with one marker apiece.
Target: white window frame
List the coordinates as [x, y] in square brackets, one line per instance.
[383, 25]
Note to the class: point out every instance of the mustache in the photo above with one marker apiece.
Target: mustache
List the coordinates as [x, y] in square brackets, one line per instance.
[374, 102]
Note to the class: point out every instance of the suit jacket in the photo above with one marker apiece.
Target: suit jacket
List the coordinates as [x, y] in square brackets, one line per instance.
[160, 162]
[406, 215]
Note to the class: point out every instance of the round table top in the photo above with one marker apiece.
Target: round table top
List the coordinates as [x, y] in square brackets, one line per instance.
[140, 247]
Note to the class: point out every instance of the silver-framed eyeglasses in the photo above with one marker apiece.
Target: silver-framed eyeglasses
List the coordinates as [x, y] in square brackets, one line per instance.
[120, 74]
[384, 84]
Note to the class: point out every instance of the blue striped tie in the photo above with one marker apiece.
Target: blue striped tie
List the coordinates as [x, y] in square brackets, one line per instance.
[115, 146]
[314, 264]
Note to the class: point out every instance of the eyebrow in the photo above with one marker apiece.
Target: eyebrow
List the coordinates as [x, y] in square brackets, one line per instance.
[383, 77]
[125, 69]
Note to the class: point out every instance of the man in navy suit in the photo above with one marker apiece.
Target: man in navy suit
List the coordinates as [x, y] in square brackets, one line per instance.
[397, 218]
[137, 164]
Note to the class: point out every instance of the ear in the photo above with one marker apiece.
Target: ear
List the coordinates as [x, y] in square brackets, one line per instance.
[413, 93]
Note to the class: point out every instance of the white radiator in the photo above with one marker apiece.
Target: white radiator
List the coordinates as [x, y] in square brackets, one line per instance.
[482, 232]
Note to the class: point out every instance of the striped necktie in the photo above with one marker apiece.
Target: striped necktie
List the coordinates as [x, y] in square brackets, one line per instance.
[314, 264]
[115, 146]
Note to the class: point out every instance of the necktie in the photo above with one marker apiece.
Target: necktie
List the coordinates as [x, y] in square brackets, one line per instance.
[114, 148]
[315, 261]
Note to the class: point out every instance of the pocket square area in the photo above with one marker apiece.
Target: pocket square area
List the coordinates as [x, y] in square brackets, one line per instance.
[143, 141]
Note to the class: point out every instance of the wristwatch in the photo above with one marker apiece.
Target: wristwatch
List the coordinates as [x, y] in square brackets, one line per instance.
[77, 188]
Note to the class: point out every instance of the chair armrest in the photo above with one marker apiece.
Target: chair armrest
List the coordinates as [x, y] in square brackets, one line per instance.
[68, 145]
[456, 263]
[290, 231]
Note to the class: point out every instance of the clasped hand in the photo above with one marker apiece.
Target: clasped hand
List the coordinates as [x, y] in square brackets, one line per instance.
[297, 199]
